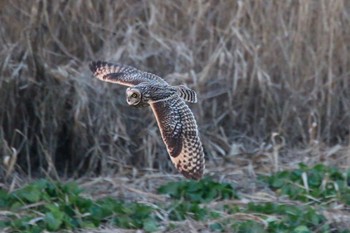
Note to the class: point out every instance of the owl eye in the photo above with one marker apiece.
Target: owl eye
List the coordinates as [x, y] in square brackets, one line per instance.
[134, 95]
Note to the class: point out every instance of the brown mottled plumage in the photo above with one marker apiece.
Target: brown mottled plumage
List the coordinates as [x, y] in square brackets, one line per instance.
[175, 120]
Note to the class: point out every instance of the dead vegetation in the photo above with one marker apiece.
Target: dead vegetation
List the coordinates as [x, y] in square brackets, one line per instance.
[272, 78]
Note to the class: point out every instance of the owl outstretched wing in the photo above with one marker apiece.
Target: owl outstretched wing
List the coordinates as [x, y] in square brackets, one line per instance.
[122, 74]
[179, 131]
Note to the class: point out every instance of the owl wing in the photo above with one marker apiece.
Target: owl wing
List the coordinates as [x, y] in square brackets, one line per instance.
[179, 131]
[122, 74]
[186, 93]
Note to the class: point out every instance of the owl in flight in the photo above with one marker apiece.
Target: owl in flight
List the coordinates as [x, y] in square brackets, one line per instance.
[175, 120]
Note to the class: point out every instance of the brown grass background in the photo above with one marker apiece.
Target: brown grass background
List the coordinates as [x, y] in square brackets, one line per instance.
[264, 71]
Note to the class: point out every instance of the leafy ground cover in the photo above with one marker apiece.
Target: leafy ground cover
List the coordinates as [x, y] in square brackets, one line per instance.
[46, 205]
[319, 184]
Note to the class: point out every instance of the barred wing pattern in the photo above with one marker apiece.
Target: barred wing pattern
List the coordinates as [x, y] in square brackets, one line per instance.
[187, 94]
[122, 74]
[180, 134]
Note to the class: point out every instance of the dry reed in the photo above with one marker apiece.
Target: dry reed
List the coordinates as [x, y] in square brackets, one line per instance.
[260, 67]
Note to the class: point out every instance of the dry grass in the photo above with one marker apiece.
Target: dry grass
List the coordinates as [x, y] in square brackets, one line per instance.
[268, 73]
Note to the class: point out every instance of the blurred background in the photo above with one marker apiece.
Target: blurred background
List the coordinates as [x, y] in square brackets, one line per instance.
[272, 78]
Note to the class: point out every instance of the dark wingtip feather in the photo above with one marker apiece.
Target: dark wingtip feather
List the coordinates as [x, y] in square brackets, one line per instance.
[94, 65]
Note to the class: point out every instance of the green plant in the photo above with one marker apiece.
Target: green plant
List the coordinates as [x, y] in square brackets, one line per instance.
[319, 183]
[189, 195]
[272, 217]
[248, 227]
[201, 191]
[45, 205]
[180, 211]
[289, 218]
[53, 206]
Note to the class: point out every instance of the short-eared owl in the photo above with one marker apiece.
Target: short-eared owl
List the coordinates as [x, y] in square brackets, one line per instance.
[175, 120]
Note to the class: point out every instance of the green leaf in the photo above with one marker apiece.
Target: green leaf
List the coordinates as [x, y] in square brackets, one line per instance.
[150, 225]
[30, 193]
[279, 179]
[4, 198]
[53, 224]
[216, 227]
[248, 227]
[302, 229]
[53, 218]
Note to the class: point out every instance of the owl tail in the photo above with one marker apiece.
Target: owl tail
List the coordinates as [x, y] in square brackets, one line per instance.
[187, 94]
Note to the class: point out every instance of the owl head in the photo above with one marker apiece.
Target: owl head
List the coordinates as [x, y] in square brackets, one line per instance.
[133, 96]
[143, 94]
